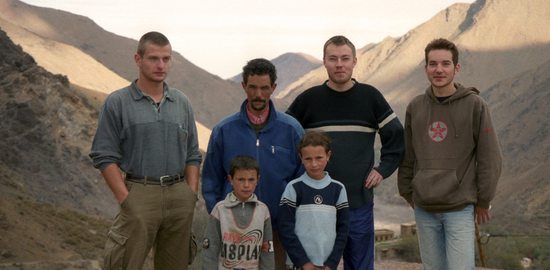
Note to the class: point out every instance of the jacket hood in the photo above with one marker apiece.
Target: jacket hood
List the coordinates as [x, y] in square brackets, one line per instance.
[461, 92]
[232, 200]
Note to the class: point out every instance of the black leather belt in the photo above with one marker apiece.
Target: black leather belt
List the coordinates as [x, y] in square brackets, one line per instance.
[165, 180]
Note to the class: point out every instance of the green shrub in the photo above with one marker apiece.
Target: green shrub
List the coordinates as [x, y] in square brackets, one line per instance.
[507, 252]
[407, 249]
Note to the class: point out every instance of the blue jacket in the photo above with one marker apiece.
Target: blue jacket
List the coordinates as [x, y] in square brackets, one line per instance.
[275, 147]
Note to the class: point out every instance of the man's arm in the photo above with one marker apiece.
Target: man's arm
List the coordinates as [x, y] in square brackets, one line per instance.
[405, 173]
[115, 181]
[213, 173]
[298, 135]
[105, 152]
[106, 144]
[489, 162]
[391, 137]
[194, 157]
[192, 177]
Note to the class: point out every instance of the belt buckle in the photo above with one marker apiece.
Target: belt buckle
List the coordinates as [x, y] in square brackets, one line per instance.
[162, 179]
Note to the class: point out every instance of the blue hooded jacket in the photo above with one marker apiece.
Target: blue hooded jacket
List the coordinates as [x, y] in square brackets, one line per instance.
[275, 147]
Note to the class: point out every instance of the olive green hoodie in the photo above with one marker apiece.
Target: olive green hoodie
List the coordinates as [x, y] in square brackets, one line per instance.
[452, 155]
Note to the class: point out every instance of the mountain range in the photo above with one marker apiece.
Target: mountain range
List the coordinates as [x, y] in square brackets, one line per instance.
[116, 54]
[53, 84]
[290, 67]
[504, 52]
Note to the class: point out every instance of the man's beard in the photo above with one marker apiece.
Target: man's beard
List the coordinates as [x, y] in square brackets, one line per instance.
[258, 108]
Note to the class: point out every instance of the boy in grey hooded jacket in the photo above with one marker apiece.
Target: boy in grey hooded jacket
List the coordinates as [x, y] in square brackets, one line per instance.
[239, 233]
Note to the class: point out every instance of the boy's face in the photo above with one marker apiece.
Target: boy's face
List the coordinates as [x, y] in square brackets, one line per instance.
[315, 159]
[244, 183]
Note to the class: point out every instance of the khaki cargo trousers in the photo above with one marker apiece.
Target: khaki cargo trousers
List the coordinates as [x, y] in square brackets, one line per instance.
[152, 216]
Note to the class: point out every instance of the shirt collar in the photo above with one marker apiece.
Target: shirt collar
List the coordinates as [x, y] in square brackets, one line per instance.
[232, 200]
[137, 94]
[255, 119]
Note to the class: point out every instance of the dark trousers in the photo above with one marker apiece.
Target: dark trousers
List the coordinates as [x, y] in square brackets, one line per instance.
[359, 251]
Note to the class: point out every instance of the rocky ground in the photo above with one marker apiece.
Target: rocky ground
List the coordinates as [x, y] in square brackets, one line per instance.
[95, 265]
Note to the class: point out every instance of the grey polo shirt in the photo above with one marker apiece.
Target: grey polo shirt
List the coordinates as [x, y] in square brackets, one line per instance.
[144, 139]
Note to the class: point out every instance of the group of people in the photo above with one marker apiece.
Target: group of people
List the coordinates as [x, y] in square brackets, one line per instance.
[294, 190]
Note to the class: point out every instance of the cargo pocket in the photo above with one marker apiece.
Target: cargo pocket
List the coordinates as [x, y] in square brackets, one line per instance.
[114, 251]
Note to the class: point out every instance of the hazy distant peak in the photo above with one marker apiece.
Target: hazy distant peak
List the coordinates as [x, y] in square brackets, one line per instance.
[295, 56]
[290, 67]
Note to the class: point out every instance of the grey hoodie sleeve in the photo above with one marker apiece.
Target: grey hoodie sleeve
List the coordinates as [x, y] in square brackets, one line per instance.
[489, 157]
[267, 258]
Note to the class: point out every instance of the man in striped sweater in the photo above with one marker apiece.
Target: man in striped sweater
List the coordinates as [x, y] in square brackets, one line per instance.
[351, 113]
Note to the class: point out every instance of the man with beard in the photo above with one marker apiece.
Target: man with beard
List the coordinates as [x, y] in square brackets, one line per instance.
[260, 131]
[351, 113]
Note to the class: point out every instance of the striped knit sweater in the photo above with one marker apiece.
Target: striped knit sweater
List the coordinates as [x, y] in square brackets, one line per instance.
[352, 119]
[314, 221]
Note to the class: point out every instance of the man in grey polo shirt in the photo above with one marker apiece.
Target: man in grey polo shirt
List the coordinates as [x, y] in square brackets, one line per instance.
[147, 150]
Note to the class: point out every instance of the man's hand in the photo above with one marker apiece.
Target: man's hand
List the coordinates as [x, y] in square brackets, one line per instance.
[192, 177]
[309, 266]
[482, 215]
[373, 179]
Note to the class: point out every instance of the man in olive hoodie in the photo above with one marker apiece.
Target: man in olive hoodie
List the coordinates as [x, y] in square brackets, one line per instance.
[452, 162]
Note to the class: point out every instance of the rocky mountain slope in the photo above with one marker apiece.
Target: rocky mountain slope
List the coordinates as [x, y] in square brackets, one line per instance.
[115, 52]
[44, 122]
[44, 167]
[93, 79]
[522, 119]
[505, 50]
[497, 40]
[47, 181]
[54, 206]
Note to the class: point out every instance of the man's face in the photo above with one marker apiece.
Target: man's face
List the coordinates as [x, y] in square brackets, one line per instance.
[244, 183]
[440, 68]
[258, 91]
[339, 63]
[155, 63]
